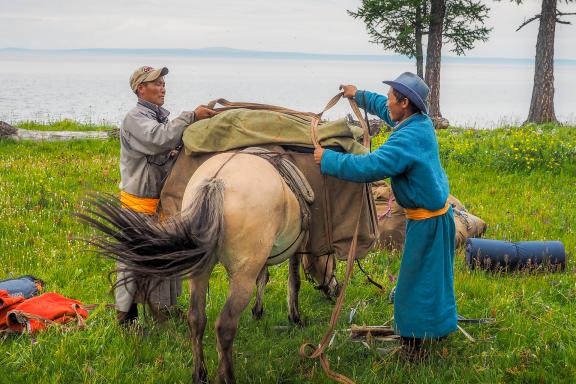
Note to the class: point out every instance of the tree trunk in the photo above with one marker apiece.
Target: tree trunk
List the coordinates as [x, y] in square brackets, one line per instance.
[418, 39]
[434, 55]
[542, 104]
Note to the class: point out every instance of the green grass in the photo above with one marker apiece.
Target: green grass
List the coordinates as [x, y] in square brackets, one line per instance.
[64, 125]
[533, 339]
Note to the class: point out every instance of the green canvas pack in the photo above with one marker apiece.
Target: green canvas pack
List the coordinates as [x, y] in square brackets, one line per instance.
[241, 128]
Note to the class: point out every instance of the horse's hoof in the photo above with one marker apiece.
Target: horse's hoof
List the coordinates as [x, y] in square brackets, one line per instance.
[201, 375]
[296, 321]
[225, 380]
[257, 314]
[201, 379]
[337, 290]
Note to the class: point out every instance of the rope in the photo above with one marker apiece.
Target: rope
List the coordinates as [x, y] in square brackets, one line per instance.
[222, 165]
[374, 282]
[318, 352]
[366, 119]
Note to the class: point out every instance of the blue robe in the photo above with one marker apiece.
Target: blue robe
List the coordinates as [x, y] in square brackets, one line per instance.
[424, 304]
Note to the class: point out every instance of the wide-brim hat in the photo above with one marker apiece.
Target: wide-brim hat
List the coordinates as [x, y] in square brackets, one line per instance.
[414, 88]
[145, 74]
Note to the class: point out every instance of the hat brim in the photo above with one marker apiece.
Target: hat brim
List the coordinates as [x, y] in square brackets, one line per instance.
[410, 94]
[156, 74]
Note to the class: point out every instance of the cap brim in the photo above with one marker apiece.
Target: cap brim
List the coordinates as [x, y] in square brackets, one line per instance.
[410, 94]
[156, 74]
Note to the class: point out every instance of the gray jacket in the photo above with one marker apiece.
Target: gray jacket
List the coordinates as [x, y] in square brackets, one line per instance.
[146, 139]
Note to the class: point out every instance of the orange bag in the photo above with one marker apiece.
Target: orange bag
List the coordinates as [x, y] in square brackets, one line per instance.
[38, 312]
[7, 303]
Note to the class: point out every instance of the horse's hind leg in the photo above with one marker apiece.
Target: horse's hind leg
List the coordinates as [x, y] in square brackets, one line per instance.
[197, 322]
[261, 281]
[239, 294]
[294, 289]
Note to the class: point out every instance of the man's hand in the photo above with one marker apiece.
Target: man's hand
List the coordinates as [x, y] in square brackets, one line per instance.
[349, 90]
[203, 112]
[318, 152]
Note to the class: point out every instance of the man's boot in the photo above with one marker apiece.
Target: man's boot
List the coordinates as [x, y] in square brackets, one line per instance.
[127, 318]
[412, 349]
[174, 312]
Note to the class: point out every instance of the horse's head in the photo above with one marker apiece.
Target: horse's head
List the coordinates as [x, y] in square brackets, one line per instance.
[321, 270]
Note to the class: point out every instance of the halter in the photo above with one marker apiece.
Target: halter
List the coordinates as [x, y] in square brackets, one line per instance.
[325, 285]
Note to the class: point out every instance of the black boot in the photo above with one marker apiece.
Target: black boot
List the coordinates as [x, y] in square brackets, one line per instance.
[411, 348]
[128, 318]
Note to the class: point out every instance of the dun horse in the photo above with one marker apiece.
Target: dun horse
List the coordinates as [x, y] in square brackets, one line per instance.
[236, 210]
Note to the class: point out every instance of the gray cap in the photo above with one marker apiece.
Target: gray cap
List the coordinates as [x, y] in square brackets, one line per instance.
[145, 74]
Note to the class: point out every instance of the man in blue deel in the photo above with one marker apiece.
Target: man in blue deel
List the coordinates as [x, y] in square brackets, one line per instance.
[424, 303]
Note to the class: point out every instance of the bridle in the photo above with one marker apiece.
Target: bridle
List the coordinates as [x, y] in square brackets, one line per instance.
[325, 285]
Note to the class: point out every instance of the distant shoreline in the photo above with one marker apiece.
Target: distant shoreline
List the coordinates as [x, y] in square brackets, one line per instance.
[240, 53]
[102, 125]
[91, 85]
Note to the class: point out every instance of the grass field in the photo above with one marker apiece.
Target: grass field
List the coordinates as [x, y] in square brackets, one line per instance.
[521, 181]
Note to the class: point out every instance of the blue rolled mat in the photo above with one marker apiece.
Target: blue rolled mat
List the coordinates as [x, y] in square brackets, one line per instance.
[498, 254]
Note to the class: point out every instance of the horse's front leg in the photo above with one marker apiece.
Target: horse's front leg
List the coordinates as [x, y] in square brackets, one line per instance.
[197, 323]
[239, 293]
[261, 281]
[293, 289]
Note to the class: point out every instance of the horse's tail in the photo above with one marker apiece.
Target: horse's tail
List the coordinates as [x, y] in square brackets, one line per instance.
[179, 246]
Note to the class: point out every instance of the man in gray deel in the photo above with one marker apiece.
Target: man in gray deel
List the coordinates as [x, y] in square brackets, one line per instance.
[147, 149]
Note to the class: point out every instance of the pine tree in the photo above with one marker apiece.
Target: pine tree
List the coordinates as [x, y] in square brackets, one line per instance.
[542, 103]
[402, 26]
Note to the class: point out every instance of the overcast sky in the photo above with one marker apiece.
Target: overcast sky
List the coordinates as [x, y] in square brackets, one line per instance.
[320, 26]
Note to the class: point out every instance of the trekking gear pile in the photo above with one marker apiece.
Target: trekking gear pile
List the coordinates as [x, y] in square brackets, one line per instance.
[392, 219]
[23, 311]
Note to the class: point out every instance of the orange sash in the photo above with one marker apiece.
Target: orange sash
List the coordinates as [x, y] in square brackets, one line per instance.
[423, 213]
[146, 205]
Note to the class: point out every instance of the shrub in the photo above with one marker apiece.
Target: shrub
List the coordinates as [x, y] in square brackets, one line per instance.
[549, 148]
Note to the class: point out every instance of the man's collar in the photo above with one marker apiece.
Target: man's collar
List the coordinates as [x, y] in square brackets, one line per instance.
[161, 113]
[403, 123]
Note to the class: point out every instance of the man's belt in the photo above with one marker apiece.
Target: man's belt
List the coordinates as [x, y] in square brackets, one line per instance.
[145, 205]
[423, 213]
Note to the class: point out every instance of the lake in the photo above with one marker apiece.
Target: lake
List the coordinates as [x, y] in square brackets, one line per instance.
[92, 86]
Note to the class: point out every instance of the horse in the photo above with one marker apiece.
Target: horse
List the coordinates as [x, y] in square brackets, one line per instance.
[237, 210]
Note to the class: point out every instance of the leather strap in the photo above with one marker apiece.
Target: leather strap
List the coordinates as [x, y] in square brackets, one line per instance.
[318, 352]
